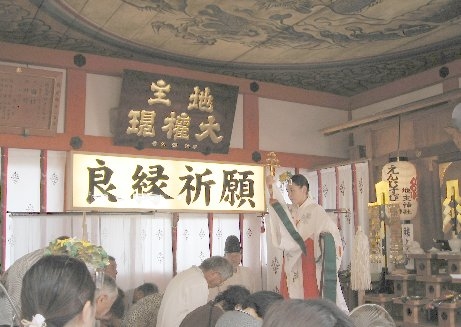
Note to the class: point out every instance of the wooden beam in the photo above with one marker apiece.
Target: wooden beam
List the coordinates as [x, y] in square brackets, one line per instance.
[434, 101]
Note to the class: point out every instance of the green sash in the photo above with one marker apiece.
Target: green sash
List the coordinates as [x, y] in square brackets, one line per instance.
[288, 225]
[329, 274]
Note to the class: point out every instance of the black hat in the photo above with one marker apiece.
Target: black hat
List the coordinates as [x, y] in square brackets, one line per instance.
[232, 244]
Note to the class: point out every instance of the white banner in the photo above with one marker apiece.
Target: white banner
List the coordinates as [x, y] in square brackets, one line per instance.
[101, 181]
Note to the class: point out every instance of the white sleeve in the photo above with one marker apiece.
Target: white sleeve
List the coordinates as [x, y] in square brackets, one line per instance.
[281, 238]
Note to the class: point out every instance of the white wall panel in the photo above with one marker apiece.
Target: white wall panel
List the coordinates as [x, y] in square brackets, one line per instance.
[295, 128]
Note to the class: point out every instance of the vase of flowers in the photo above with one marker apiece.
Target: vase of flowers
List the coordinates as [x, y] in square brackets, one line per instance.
[94, 256]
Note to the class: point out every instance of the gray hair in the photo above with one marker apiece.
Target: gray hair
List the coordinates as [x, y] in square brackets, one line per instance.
[218, 264]
[302, 313]
[109, 287]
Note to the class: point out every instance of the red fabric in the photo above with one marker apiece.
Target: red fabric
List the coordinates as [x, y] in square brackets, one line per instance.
[309, 274]
[309, 271]
[283, 282]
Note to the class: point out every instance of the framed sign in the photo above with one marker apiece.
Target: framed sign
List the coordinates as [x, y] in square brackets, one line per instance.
[135, 183]
[167, 112]
[29, 100]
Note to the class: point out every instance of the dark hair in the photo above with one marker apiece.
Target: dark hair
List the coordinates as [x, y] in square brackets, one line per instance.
[147, 288]
[261, 301]
[306, 313]
[218, 264]
[57, 287]
[232, 244]
[300, 180]
[232, 296]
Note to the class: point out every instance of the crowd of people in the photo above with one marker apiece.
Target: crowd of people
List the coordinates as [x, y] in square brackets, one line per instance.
[58, 290]
[46, 290]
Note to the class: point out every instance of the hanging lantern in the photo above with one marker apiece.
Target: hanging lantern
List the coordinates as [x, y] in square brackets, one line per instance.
[403, 186]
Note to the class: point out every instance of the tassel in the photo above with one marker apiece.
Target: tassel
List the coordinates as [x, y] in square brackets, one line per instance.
[360, 262]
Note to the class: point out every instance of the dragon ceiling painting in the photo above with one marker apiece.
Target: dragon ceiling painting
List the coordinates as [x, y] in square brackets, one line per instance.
[342, 47]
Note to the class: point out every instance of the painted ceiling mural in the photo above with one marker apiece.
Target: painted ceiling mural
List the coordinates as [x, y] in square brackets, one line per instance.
[339, 46]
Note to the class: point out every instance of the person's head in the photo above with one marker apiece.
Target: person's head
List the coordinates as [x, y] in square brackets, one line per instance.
[232, 298]
[306, 313]
[298, 189]
[259, 302]
[105, 297]
[116, 312]
[144, 290]
[111, 268]
[59, 288]
[233, 251]
[216, 270]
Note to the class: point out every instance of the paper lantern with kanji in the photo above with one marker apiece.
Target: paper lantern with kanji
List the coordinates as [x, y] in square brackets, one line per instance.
[403, 186]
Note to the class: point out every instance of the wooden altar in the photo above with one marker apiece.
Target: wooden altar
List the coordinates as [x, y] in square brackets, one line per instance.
[427, 297]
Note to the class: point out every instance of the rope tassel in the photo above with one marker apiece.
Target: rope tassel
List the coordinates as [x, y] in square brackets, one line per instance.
[360, 262]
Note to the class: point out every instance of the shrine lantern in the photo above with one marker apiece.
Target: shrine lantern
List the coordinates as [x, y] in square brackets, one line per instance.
[403, 186]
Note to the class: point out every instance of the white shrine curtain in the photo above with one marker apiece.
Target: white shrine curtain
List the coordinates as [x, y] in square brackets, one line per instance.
[23, 175]
[193, 240]
[328, 195]
[55, 180]
[251, 241]
[223, 226]
[313, 180]
[361, 192]
[345, 212]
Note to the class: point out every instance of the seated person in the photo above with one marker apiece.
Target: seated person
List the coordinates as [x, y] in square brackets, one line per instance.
[144, 290]
[306, 313]
[12, 280]
[105, 297]
[111, 268]
[189, 289]
[58, 290]
[252, 312]
[207, 315]
[144, 312]
[115, 315]
[241, 275]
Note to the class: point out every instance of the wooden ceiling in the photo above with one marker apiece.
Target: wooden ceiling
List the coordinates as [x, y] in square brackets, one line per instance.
[341, 47]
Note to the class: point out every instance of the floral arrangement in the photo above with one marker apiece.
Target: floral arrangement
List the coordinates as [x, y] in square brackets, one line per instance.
[285, 177]
[89, 253]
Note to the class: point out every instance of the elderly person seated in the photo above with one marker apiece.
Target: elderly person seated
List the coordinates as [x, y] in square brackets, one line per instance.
[144, 312]
[207, 315]
[189, 289]
[105, 298]
[252, 312]
[144, 290]
[306, 313]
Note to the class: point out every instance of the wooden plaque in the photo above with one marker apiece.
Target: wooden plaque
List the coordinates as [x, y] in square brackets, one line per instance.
[29, 100]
